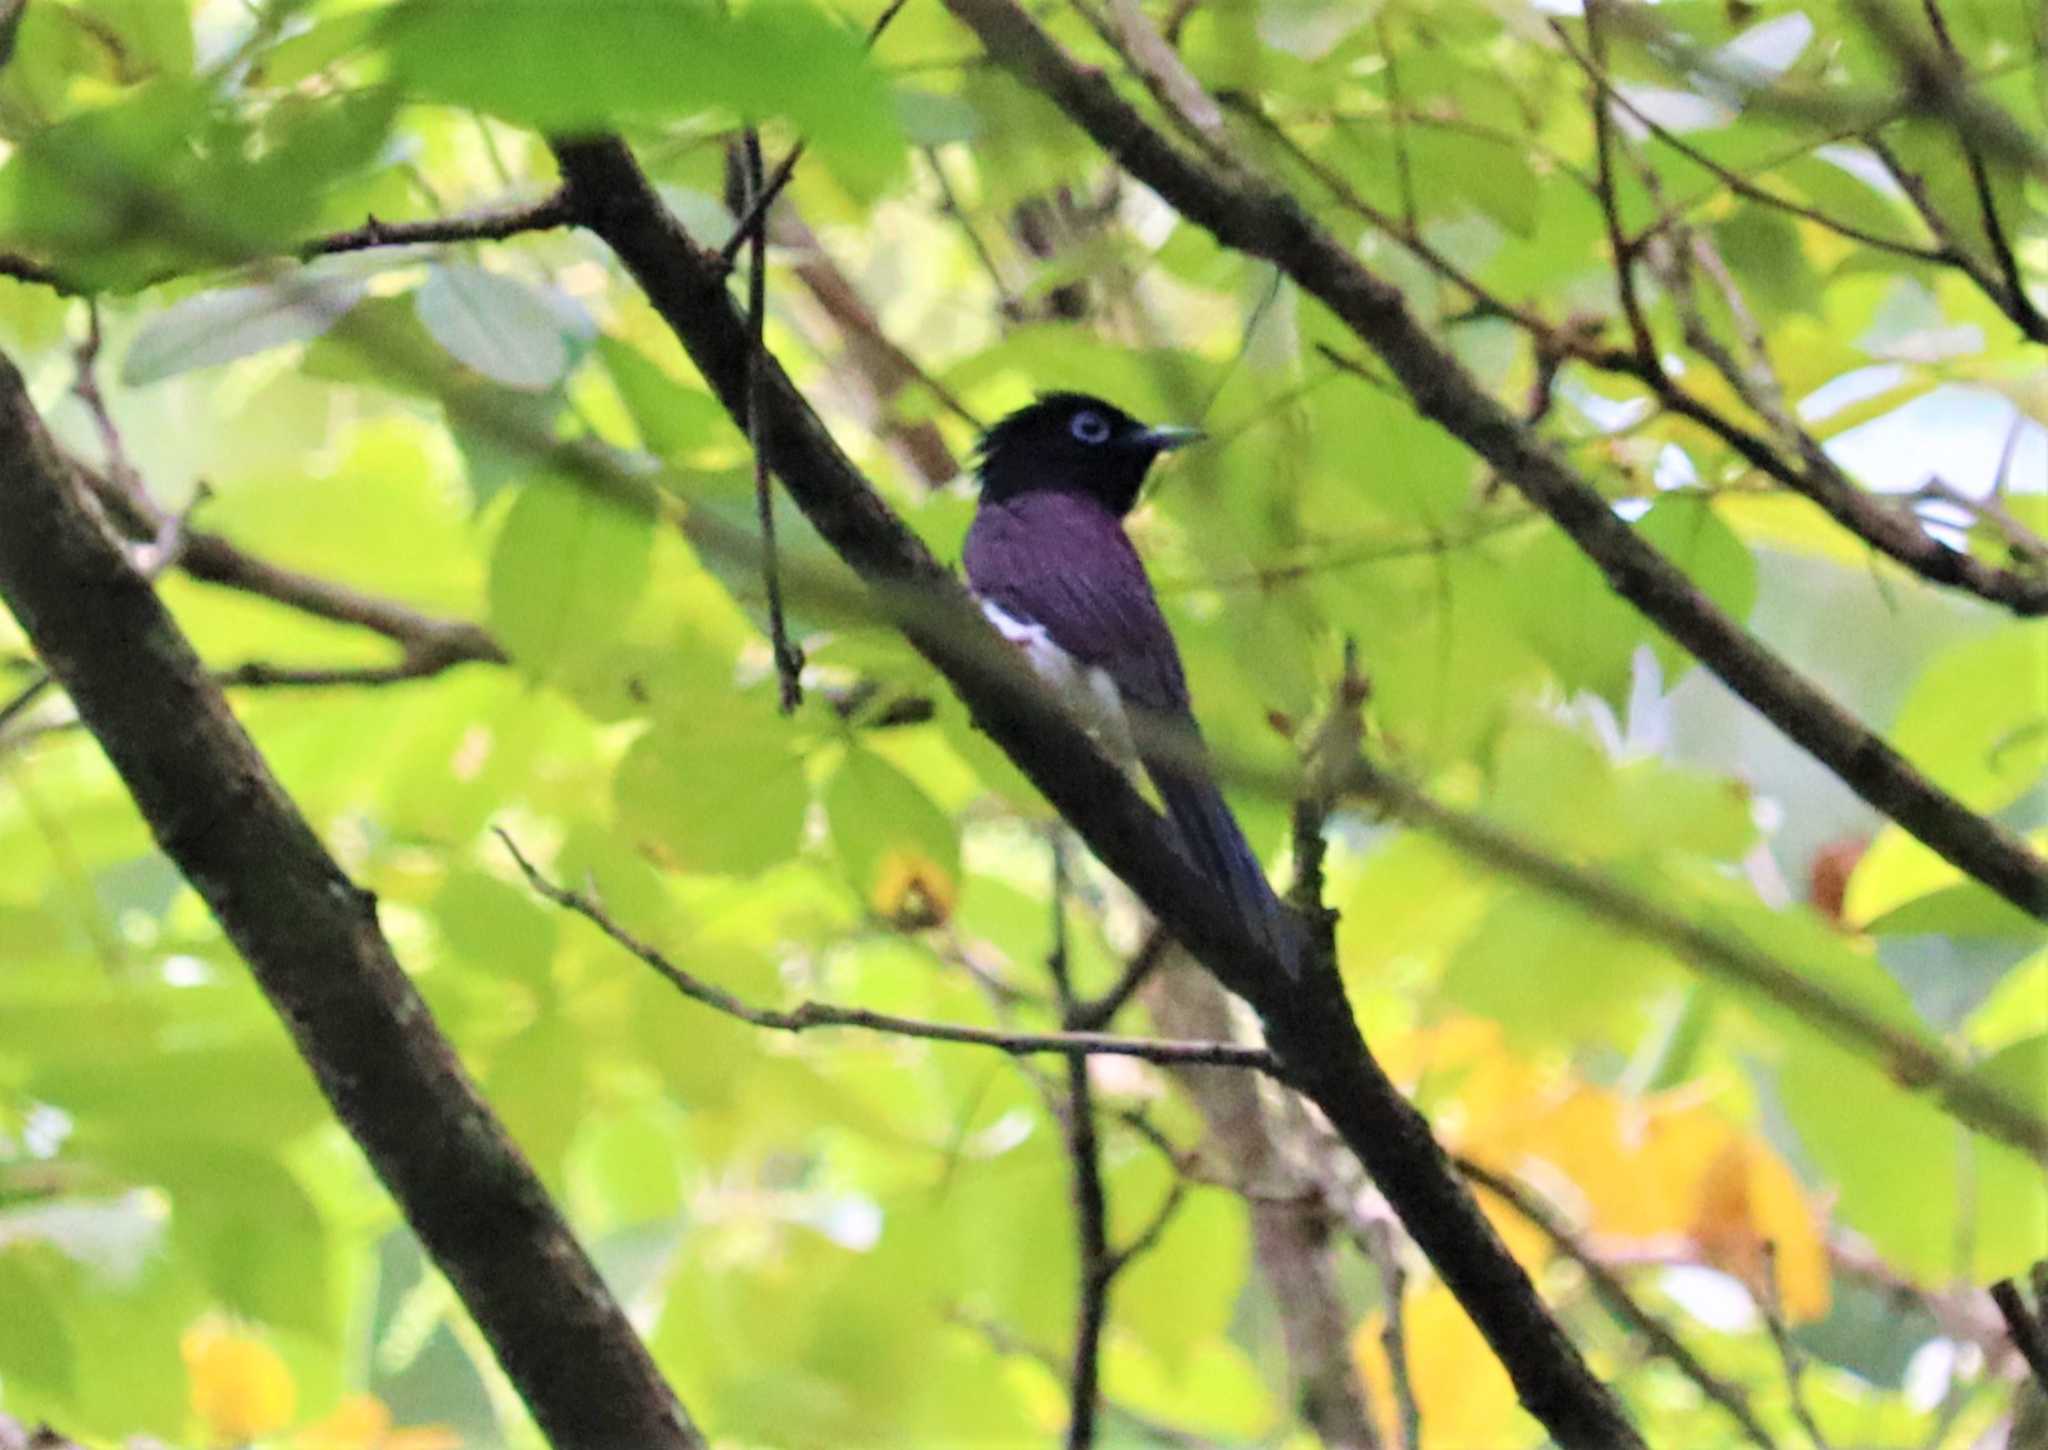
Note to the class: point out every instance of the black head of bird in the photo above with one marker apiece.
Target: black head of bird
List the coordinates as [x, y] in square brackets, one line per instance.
[1074, 443]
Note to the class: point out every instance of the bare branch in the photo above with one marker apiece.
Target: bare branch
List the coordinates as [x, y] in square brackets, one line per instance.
[1151, 951]
[1098, 1269]
[1249, 1140]
[1618, 243]
[808, 1015]
[495, 224]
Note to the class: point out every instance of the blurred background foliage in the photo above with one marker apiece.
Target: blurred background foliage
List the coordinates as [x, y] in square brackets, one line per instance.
[848, 1239]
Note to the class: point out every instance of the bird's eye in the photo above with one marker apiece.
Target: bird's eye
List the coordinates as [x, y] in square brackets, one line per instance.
[1090, 427]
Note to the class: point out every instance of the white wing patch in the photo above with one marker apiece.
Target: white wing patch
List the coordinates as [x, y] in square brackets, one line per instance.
[1088, 690]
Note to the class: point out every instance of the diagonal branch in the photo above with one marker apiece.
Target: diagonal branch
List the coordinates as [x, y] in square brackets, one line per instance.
[312, 942]
[1309, 1025]
[1246, 213]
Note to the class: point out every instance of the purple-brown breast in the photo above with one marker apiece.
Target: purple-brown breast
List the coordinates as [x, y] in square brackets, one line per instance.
[1062, 560]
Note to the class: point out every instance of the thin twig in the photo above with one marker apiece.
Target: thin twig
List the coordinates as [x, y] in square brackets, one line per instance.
[1610, 214]
[1006, 302]
[1379, 1246]
[2018, 305]
[493, 224]
[753, 220]
[1097, 1267]
[2023, 541]
[1091, 1204]
[1403, 173]
[26, 696]
[1005, 1342]
[789, 660]
[808, 1015]
[1151, 951]
[1790, 1356]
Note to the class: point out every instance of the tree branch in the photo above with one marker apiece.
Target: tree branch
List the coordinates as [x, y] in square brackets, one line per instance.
[429, 642]
[808, 1015]
[1309, 1025]
[1246, 213]
[494, 224]
[311, 940]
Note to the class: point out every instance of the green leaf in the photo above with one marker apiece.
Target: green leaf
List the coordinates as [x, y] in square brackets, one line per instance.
[538, 1083]
[1966, 909]
[898, 849]
[497, 927]
[217, 327]
[1551, 973]
[249, 1225]
[713, 802]
[568, 569]
[2019, 1071]
[36, 1352]
[1484, 174]
[1180, 1294]
[1589, 633]
[671, 418]
[1763, 249]
[1859, 1127]
[167, 180]
[255, 1095]
[1977, 717]
[507, 329]
[570, 69]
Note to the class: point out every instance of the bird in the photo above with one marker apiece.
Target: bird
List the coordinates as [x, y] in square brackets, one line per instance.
[1048, 559]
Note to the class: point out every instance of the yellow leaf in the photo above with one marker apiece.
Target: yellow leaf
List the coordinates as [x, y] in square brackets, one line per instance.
[1463, 1395]
[240, 1386]
[912, 890]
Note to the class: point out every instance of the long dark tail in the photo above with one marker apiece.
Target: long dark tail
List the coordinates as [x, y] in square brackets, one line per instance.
[1216, 844]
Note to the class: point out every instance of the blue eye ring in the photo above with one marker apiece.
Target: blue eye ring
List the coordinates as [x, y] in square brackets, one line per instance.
[1089, 426]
